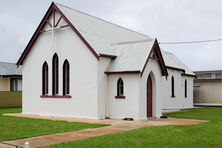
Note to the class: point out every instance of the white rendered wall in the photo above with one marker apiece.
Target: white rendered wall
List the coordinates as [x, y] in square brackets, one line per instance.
[179, 101]
[208, 92]
[152, 68]
[83, 77]
[102, 86]
[128, 107]
[189, 100]
[4, 84]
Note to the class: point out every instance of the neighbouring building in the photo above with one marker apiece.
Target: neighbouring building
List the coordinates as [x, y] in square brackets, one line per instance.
[10, 85]
[208, 88]
[77, 65]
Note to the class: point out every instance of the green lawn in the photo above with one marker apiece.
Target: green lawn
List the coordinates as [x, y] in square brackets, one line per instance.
[18, 128]
[205, 135]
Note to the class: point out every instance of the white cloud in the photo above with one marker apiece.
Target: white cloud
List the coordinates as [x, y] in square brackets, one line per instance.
[168, 20]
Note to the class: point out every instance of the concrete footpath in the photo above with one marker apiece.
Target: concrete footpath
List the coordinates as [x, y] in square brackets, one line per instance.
[115, 126]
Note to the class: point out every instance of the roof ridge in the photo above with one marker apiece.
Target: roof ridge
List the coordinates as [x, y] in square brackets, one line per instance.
[102, 20]
[8, 63]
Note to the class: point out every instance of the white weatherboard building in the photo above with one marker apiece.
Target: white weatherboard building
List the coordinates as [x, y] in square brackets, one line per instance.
[77, 65]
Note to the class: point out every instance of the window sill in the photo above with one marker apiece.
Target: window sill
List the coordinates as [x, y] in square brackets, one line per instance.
[173, 96]
[120, 97]
[55, 96]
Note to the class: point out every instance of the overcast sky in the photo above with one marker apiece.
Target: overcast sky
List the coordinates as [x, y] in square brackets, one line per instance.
[167, 20]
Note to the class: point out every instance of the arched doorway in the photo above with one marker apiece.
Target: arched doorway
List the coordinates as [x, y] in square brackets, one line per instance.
[149, 97]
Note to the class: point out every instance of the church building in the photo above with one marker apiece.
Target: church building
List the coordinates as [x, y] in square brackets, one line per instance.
[77, 65]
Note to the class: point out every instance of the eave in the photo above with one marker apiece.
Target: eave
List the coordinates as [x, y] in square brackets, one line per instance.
[107, 56]
[189, 75]
[174, 68]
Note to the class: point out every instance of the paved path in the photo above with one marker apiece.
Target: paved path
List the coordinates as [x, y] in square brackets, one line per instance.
[116, 126]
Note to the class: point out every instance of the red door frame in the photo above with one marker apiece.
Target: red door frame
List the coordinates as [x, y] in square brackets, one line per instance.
[149, 97]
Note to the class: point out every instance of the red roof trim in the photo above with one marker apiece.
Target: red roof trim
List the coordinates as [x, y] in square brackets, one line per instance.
[77, 32]
[154, 45]
[34, 37]
[161, 61]
[174, 68]
[189, 75]
[107, 56]
[38, 31]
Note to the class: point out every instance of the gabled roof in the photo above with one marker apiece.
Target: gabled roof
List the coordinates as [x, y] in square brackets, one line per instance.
[172, 61]
[100, 34]
[130, 57]
[102, 38]
[105, 38]
[135, 56]
[10, 69]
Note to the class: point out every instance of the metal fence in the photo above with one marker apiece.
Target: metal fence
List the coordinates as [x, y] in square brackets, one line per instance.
[10, 99]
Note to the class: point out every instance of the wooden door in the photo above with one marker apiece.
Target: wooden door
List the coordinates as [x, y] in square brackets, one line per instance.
[149, 97]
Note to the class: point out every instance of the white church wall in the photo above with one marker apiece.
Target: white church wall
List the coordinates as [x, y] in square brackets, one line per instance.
[179, 101]
[128, 107]
[189, 99]
[155, 70]
[83, 77]
[102, 86]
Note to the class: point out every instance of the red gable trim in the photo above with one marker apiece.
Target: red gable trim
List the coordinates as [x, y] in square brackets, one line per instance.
[107, 56]
[161, 61]
[31, 42]
[77, 32]
[41, 25]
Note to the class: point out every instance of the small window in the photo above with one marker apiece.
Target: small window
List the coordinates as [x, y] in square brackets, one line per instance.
[172, 87]
[218, 75]
[198, 76]
[185, 85]
[45, 79]
[208, 76]
[202, 76]
[120, 87]
[66, 77]
[55, 75]
[15, 84]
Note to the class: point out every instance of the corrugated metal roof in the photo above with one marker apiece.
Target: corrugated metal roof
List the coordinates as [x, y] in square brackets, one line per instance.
[7, 69]
[103, 36]
[171, 60]
[131, 57]
[99, 33]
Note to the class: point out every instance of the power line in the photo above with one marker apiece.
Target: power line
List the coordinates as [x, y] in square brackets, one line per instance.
[132, 42]
[192, 42]
[181, 42]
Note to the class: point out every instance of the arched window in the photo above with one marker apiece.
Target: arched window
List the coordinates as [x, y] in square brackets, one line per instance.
[120, 87]
[185, 85]
[172, 87]
[55, 75]
[66, 78]
[45, 79]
